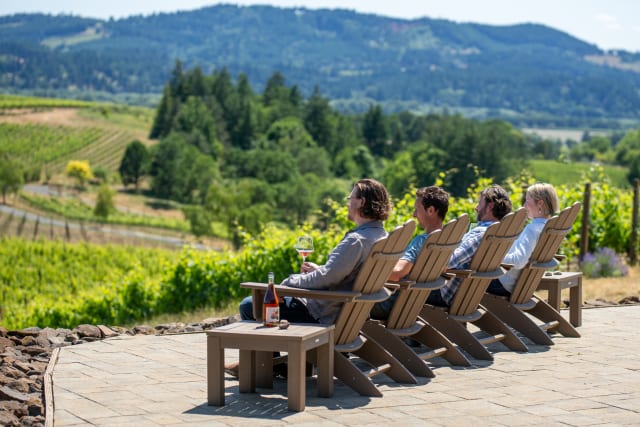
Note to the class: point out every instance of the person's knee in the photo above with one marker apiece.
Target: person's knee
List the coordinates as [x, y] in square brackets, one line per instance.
[246, 309]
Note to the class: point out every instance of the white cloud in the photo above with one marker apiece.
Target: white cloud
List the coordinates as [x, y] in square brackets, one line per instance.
[610, 22]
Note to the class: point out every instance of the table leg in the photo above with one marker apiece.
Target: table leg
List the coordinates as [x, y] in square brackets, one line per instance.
[247, 371]
[555, 291]
[215, 371]
[264, 369]
[575, 301]
[296, 390]
[325, 368]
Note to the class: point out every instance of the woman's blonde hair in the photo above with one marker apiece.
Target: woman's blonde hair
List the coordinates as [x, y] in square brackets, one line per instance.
[546, 193]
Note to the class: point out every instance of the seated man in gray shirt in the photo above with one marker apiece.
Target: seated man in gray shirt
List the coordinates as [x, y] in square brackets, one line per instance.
[369, 206]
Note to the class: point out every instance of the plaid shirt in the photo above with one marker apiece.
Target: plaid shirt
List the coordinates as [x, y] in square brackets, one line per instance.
[461, 258]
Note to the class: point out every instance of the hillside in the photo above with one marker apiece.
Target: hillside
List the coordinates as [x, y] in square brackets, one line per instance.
[529, 74]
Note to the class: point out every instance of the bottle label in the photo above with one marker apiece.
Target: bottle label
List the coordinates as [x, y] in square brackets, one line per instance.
[271, 316]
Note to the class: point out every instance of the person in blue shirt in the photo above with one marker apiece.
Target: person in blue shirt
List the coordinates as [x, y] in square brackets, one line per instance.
[541, 202]
[430, 208]
[493, 205]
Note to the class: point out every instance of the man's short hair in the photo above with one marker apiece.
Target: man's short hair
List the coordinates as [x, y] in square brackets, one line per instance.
[436, 197]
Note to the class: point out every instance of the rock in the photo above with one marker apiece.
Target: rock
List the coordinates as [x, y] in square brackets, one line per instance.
[144, 329]
[90, 331]
[10, 394]
[4, 343]
[7, 419]
[630, 300]
[107, 332]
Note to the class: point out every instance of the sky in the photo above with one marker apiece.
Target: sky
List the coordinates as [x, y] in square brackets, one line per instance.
[609, 24]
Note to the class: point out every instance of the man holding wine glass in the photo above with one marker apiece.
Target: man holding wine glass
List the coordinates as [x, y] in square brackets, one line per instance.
[369, 205]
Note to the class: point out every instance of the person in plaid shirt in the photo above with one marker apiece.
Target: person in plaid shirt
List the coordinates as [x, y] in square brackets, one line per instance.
[493, 205]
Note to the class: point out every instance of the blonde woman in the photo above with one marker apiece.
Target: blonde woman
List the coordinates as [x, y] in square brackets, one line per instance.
[541, 202]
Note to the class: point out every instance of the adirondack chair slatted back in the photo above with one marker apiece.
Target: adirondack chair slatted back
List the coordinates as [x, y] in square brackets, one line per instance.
[543, 255]
[370, 282]
[427, 269]
[485, 264]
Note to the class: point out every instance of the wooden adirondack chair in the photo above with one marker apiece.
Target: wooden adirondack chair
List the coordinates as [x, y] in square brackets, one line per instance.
[426, 274]
[367, 290]
[486, 265]
[511, 310]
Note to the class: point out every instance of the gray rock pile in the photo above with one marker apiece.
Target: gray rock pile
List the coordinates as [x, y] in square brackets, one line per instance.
[25, 355]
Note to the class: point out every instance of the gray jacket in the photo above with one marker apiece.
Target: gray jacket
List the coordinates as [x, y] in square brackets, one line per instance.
[340, 271]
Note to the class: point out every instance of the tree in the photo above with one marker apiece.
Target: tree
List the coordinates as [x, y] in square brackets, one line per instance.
[80, 170]
[104, 203]
[11, 176]
[135, 163]
[374, 130]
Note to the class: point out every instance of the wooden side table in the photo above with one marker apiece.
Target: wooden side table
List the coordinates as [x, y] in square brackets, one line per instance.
[257, 344]
[555, 282]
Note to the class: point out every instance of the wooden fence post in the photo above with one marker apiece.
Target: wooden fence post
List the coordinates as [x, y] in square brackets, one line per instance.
[584, 232]
[633, 244]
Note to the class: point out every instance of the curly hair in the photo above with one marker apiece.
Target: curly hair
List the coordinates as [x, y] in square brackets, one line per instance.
[436, 197]
[500, 199]
[377, 204]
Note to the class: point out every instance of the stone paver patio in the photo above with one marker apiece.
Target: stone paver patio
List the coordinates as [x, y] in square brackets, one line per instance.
[161, 381]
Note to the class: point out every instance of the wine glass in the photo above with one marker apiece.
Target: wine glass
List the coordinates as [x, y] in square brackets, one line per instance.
[304, 246]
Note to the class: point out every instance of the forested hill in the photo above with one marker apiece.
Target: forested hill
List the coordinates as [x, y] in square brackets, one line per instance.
[522, 72]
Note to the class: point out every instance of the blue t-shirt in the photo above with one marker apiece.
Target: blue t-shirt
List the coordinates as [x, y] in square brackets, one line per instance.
[414, 248]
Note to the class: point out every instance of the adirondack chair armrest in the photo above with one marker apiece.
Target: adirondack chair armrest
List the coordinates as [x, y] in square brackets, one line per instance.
[507, 267]
[259, 289]
[447, 276]
[459, 273]
[560, 257]
[344, 296]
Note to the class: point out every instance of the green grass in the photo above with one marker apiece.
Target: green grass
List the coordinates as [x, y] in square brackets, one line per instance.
[557, 173]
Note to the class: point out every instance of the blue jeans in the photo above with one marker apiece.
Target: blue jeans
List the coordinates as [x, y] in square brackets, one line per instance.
[496, 288]
[291, 309]
[435, 298]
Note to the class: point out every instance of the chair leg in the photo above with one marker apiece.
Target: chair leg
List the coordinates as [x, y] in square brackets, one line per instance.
[374, 354]
[394, 345]
[517, 319]
[546, 313]
[432, 338]
[352, 376]
[456, 332]
[494, 326]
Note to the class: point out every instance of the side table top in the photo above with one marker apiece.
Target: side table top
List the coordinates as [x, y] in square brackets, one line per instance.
[249, 327]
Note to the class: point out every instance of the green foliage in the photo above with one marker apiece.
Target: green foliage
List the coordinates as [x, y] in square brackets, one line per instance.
[11, 176]
[104, 202]
[135, 163]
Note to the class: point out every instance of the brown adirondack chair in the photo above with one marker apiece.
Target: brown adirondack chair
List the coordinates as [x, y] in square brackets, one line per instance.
[511, 310]
[486, 265]
[367, 290]
[426, 274]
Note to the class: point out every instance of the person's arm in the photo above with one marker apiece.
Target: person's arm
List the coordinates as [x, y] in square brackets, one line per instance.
[342, 261]
[521, 249]
[400, 270]
[464, 252]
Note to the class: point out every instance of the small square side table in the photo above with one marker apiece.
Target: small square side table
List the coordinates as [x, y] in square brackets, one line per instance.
[555, 282]
[257, 344]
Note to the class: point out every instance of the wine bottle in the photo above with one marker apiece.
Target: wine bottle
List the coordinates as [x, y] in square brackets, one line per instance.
[271, 305]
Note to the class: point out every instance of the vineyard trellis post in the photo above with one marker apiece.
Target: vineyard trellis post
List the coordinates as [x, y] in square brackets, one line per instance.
[634, 224]
[584, 232]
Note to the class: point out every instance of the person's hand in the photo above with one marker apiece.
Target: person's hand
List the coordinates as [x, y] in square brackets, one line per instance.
[308, 267]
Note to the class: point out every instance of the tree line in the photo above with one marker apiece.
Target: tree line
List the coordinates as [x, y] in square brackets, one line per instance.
[247, 158]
